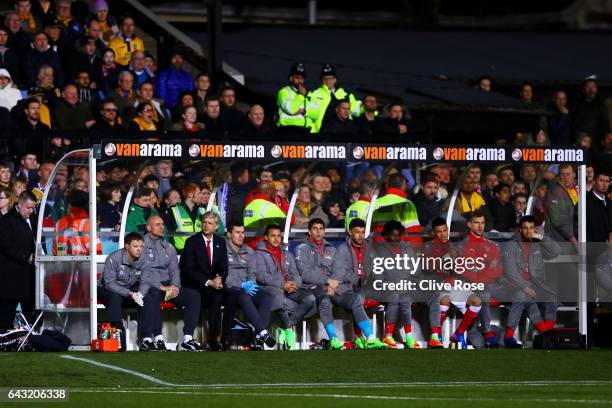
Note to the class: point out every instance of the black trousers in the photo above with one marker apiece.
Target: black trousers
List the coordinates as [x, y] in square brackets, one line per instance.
[151, 312]
[212, 300]
[114, 304]
[256, 308]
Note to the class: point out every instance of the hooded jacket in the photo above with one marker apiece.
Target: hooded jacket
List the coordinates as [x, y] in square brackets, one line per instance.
[9, 96]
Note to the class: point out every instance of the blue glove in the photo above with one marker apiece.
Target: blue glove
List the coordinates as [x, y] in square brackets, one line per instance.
[245, 285]
[250, 287]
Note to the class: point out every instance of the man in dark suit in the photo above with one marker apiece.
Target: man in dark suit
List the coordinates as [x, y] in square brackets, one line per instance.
[204, 268]
[17, 260]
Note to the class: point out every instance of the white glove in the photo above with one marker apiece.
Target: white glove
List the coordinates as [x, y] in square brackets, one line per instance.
[138, 299]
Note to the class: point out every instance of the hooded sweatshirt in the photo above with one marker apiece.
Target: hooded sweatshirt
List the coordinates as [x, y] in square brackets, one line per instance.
[9, 96]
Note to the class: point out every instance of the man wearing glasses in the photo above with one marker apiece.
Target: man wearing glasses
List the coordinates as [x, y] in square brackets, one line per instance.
[108, 115]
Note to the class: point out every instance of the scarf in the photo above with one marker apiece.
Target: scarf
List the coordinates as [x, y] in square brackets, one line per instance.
[572, 192]
[31, 22]
[474, 203]
[144, 126]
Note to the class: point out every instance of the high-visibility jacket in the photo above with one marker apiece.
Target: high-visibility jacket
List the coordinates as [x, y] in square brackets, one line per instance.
[184, 224]
[359, 209]
[289, 102]
[124, 48]
[321, 98]
[260, 210]
[394, 206]
[72, 234]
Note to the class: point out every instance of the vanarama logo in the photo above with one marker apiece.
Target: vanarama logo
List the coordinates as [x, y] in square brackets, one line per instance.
[147, 150]
[310, 151]
[470, 153]
[550, 155]
[391, 153]
[231, 151]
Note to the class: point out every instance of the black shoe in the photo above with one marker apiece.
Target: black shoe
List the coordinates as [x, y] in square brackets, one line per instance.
[147, 345]
[215, 346]
[258, 344]
[269, 340]
[190, 345]
[161, 345]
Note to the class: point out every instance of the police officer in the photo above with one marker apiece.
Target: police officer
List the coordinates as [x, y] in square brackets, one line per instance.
[241, 286]
[292, 101]
[165, 285]
[262, 210]
[185, 220]
[323, 100]
[122, 283]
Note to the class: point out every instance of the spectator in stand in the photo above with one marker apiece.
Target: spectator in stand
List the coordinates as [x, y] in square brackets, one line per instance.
[28, 168]
[171, 198]
[109, 209]
[469, 201]
[174, 80]
[529, 174]
[150, 64]
[126, 42]
[589, 113]
[396, 121]
[140, 210]
[93, 29]
[5, 201]
[107, 23]
[518, 186]
[64, 48]
[560, 207]
[366, 123]
[144, 122]
[29, 23]
[189, 121]
[526, 93]
[19, 41]
[45, 84]
[70, 114]
[318, 191]
[108, 117]
[39, 55]
[202, 87]
[29, 133]
[599, 210]
[71, 29]
[334, 213]
[185, 99]
[502, 210]
[559, 123]
[427, 202]
[519, 202]
[138, 69]
[87, 60]
[87, 95]
[340, 122]
[484, 83]
[506, 175]
[8, 57]
[239, 187]
[163, 171]
[124, 95]
[161, 115]
[230, 116]
[306, 209]
[212, 118]
[5, 175]
[491, 181]
[9, 95]
[255, 125]
[109, 72]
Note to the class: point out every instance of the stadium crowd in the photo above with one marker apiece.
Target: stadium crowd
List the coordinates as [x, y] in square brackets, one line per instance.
[65, 67]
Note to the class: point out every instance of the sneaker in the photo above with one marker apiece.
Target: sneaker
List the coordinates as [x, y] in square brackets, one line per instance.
[269, 340]
[281, 336]
[360, 343]
[491, 342]
[161, 345]
[411, 343]
[336, 344]
[459, 340]
[290, 339]
[147, 345]
[511, 343]
[434, 343]
[390, 342]
[190, 345]
[375, 344]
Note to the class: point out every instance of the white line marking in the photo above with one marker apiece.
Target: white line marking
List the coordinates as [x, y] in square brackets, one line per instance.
[125, 371]
[347, 396]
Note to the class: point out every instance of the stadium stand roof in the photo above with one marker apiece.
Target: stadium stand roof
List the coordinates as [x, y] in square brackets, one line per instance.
[411, 64]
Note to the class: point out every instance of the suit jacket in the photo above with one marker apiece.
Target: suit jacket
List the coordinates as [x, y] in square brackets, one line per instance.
[16, 246]
[195, 265]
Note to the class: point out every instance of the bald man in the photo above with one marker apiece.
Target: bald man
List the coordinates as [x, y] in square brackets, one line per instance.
[165, 281]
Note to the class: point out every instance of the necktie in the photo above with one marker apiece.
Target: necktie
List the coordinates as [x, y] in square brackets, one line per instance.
[208, 251]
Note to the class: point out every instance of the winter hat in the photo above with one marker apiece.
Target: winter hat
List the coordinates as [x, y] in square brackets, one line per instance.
[100, 5]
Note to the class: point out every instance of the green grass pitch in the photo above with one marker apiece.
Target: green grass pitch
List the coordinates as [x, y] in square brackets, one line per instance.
[417, 378]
